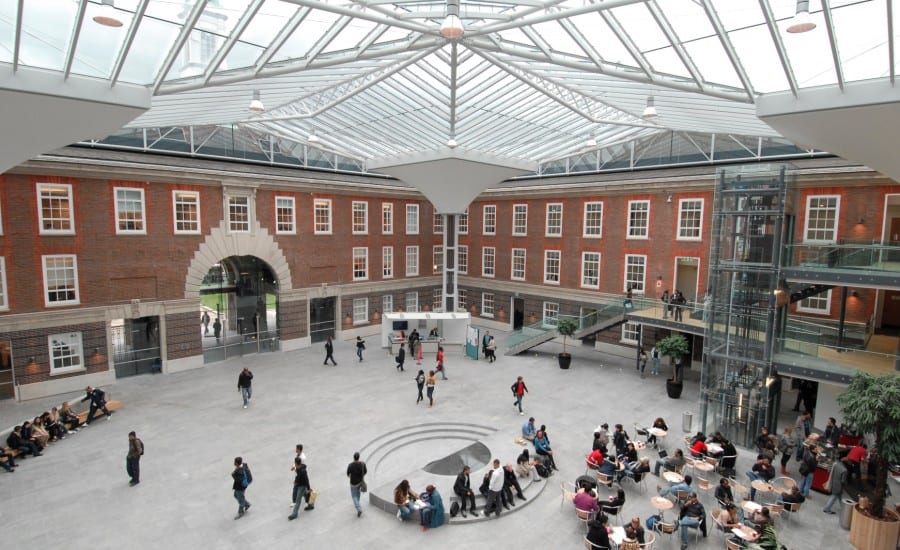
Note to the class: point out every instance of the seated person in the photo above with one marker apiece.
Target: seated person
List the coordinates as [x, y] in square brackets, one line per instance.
[728, 456]
[7, 460]
[609, 469]
[763, 439]
[510, 484]
[635, 530]
[527, 466]
[659, 423]
[760, 520]
[630, 454]
[68, 418]
[484, 488]
[584, 500]
[637, 470]
[696, 436]
[615, 502]
[724, 494]
[528, 430]
[433, 333]
[684, 486]
[597, 534]
[794, 497]
[692, 515]
[432, 513]
[38, 432]
[405, 499]
[729, 517]
[29, 435]
[543, 449]
[671, 463]
[18, 442]
[761, 470]
[698, 448]
[595, 459]
[769, 451]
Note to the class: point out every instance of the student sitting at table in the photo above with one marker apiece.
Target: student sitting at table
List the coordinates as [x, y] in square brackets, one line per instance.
[729, 517]
[585, 501]
[760, 520]
[615, 502]
[692, 515]
[659, 424]
[698, 447]
[597, 534]
[761, 470]
[595, 459]
[637, 469]
[630, 454]
[728, 458]
[684, 486]
[723, 492]
[674, 462]
[635, 530]
[794, 497]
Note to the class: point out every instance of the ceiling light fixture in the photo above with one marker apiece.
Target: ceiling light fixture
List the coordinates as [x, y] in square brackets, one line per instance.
[256, 105]
[451, 143]
[452, 27]
[650, 109]
[801, 22]
[313, 138]
[107, 14]
[591, 142]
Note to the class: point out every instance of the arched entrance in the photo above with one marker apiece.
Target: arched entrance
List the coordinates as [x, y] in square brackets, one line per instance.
[239, 308]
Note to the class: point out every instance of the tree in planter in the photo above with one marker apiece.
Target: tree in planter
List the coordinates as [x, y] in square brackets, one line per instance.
[872, 405]
[676, 347]
[566, 327]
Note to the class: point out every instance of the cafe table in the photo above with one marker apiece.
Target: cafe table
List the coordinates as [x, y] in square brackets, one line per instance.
[662, 504]
[617, 534]
[761, 485]
[714, 448]
[673, 477]
[745, 533]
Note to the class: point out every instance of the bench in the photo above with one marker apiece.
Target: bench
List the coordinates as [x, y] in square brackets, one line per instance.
[111, 405]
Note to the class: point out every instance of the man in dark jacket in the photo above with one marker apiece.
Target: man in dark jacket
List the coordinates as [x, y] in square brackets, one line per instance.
[241, 480]
[692, 515]
[98, 401]
[19, 443]
[301, 486]
[133, 459]
[462, 487]
[245, 379]
[509, 483]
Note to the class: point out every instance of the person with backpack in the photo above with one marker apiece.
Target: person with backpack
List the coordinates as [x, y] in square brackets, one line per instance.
[98, 401]
[519, 389]
[242, 478]
[133, 458]
[360, 346]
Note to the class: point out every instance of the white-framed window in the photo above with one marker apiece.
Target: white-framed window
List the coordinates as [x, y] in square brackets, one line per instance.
[520, 220]
[437, 300]
[285, 216]
[360, 222]
[55, 210]
[462, 299]
[387, 303]
[60, 280]
[820, 304]
[438, 225]
[387, 264]
[821, 218]
[517, 264]
[638, 220]
[360, 311]
[387, 218]
[412, 301]
[489, 221]
[239, 214]
[66, 353]
[631, 333]
[186, 212]
[412, 219]
[593, 219]
[690, 219]
[412, 261]
[635, 272]
[437, 264]
[360, 263]
[487, 304]
[4, 301]
[462, 259]
[554, 220]
[550, 316]
[464, 223]
[488, 261]
[322, 216]
[130, 211]
[590, 269]
[551, 266]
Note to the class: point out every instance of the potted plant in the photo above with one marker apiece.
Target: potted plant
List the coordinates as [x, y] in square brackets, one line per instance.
[676, 347]
[871, 405]
[565, 327]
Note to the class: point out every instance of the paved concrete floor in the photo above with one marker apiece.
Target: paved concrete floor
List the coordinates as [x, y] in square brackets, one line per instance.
[193, 426]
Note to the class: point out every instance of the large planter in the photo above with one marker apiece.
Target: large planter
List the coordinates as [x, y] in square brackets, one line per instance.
[673, 389]
[870, 533]
[565, 359]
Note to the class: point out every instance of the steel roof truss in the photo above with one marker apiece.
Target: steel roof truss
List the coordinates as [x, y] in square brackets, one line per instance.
[185, 33]
[232, 39]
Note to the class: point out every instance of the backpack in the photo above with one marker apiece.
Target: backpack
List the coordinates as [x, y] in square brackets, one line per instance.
[543, 470]
[248, 477]
[454, 509]
[143, 448]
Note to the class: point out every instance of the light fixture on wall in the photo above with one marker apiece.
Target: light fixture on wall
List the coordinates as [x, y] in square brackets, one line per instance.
[107, 14]
[452, 27]
[861, 221]
[96, 351]
[650, 109]
[31, 360]
[801, 22]
[669, 198]
[256, 104]
[854, 293]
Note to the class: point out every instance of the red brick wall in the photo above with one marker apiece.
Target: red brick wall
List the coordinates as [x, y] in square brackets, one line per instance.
[33, 343]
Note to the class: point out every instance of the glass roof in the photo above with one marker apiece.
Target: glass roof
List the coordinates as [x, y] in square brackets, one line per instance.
[531, 79]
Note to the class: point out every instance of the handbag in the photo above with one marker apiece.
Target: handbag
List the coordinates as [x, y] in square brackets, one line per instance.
[311, 497]
[363, 487]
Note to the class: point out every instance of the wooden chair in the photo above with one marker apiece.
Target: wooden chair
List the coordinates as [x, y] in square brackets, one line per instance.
[584, 516]
[649, 539]
[681, 497]
[589, 466]
[605, 480]
[717, 521]
[730, 544]
[617, 512]
[783, 484]
[791, 508]
[588, 545]
[705, 486]
[568, 492]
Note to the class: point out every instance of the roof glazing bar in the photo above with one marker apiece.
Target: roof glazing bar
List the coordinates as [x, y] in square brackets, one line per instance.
[129, 40]
[20, 9]
[286, 31]
[522, 20]
[73, 40]
[663, 23]
[232, 39]
[832, 40]
[779, 46]
[629, 44]
[185, 33]
[358, 14]
[729, 48]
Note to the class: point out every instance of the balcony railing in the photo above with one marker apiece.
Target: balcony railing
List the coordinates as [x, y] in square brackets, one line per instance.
[869, 256]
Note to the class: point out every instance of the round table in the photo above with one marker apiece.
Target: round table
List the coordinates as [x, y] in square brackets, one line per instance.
[673, 477]
[761, 485]
[751, 507]
[703, 466]
[738, 488]
[658, 432]
[662, 504]
[745, 533]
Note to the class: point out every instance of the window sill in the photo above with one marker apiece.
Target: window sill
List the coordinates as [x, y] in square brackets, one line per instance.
[67, 370]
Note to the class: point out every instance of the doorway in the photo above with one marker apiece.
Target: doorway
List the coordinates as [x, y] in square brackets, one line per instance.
[7, 383]
[518, 313]
[686, 276]
[321, 319]
[135, 346]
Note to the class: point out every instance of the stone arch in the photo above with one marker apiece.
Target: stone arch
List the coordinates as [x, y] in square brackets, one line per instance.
[220, 243]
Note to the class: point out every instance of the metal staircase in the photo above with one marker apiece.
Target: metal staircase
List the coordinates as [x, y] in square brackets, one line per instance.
[537, 333]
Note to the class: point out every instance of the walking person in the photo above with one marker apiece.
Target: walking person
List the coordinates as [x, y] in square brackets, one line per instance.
[245, 379]
[205, 320]
[430, 382]
[133, 458]
[642, 362]
[492, 350]
[356, 471]
[298, 453]
[519, 389]
[301, 486]
[420, 382]
[217, 328]
[440, 363]
[485, 340]
[98, 401]
[414, 345]
[360, 346]
[654, 361]
[329, 352]
[401, 357]
[837, 479]
[242, 478]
